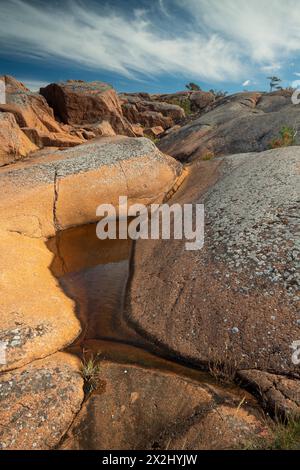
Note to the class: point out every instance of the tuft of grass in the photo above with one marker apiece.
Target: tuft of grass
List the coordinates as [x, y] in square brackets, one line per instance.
[283, 436]
[286, 138]
[90, 371]
[223, 370]
[155, 140]
[208, 156]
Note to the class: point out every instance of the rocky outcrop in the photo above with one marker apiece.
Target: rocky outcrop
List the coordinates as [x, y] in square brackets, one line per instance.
[35, 120]
[14, 144]
[153, 132]
[235, 301]
[63, 189]
[139, 108]
[36, 317]
[200, 100]
[245, 122]
[76, 102]
[190, 101]
[40, 197]
[39, 402]
[278, 393]
[52, 193]
[152, 409]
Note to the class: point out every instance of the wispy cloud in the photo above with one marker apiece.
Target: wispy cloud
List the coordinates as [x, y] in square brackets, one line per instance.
[102, 39]
[271, 68]
[267, 31]
[222, 40]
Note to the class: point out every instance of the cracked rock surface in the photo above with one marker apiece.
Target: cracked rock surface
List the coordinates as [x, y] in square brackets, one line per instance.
[64, 188]
[237, 299]
[139, 408]
[278, 393]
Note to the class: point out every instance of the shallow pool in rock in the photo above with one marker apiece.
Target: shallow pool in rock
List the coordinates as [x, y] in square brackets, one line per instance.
[137, 379]
[94, 274]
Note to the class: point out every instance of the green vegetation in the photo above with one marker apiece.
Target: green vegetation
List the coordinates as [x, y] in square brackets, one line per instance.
[286, 138]
[155, 140]
[186, 106]
[283, 436]
[90, 371]
[184, 103]
[208, 156]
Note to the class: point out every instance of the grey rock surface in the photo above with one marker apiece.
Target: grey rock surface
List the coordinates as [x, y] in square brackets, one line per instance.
[245, 122]
[236, 300]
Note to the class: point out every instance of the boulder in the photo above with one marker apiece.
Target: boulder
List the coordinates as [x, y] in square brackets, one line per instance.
[153, 132]
[50, 193]
[63, 188]
[138, 130]
[77, 103]
[201, 100]
[39, 403]
[189, 101]
[141, 109]
[105, 129]
[236, 301]
[245, 122]
[36, 317]
[34, 117]
[153, 409]
[14, 143]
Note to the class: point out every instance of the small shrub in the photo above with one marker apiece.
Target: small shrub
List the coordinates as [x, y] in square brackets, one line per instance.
[208, 156]
[155, 140]
[186, 106]
[223, 369]
[286, 138]
[90, 371]
[223, 372]
[184, 103]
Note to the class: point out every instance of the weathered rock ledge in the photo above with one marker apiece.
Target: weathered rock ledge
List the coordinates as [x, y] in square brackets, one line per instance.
[44, 391]
[63, 188]
[154, 409]
[237, 300]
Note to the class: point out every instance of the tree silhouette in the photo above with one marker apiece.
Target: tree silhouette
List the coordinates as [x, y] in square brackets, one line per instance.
[193, 86]
[274, 83]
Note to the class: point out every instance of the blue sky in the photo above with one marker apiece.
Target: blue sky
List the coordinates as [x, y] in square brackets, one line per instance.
[154, 46]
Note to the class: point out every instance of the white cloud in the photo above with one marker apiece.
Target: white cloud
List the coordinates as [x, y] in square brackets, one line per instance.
[110, 41]
[296, 84]
[212, 40]
[163, 8]
[297, 74]
[265, 30]
[271, 68]
[247, 82]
